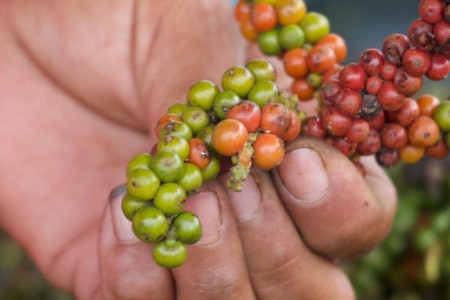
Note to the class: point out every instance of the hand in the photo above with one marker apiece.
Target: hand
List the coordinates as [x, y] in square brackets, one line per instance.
[83, 84]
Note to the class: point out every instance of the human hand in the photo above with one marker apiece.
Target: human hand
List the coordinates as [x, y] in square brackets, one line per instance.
[83, 85]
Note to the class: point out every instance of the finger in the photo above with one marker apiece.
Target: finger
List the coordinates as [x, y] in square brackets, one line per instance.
[280, 265]
[339, 213]
[215, 267]
[126, 265]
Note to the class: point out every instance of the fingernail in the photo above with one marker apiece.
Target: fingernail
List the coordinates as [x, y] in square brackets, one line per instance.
[247, 202]
[207, 208]
[122, 226]
[304, 175]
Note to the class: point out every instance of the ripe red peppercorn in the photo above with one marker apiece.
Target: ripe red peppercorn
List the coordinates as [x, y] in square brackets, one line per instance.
[416, 62]
[373, 85]
[378, 122]
[440, 67]
[393, 136]
[229, 136]
[370, 145]
[411, 154]
[344, 146]
[263, 17]
[337, 43]
[389, 97]
[348, 102]
[329, 91]
[372, 60]
[248, 113]
[294, 62]
[420, 34]
[247, 29]
[335, 122]
[332, 74]
[314, 128]
[431, 11]
[439, 150]
[294, 129]
[358, 131]
[442, 33]
[406, 114]
[388, 157]
[198, 153]
[241, 10]
[406, 83]
[268, 151]
[301, 88]
[163, 121]
[394, 47]
[275, 119]
[320, 59]
[353, 76]
[388, 71]
[427, 104]
[423, 132]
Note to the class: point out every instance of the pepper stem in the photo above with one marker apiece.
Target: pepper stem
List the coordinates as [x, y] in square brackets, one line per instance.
[242, 162]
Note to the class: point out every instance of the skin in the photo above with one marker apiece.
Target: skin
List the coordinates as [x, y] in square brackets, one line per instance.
[83, 85]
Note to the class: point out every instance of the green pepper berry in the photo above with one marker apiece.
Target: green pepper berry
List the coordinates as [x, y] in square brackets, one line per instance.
[223, 102]
[170, 198]
[150, 224]
[291, 37]
[211, 170]
[269, 42]
[239, 80]
[187, 227]
[315, 27]
[192, 179]
[206, 133]
[262, 70]
[131, 205]
[442, 116]
[143, 184]
[176, 128]
[314, 80]
[263, 92]
[169, 253]
[177, 109]
[174, 144]
[196, 118]
[140, 161]
[167, 166]
[202, 94]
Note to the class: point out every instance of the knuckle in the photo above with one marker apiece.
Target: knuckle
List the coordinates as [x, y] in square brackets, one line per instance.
[223, 283]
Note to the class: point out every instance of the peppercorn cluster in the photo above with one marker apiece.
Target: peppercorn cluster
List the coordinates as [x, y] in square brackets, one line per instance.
[364, 108]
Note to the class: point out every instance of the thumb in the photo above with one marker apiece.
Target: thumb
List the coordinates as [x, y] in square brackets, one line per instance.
[126, 267]
[339, 213]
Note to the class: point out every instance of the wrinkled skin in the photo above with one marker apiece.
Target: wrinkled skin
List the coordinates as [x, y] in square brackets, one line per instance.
[83, 84]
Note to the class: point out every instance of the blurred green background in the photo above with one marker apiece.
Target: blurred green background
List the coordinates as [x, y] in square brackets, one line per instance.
[414, 261]
[19, 278]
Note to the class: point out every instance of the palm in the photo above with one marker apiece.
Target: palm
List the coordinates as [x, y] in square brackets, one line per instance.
[77, 102]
